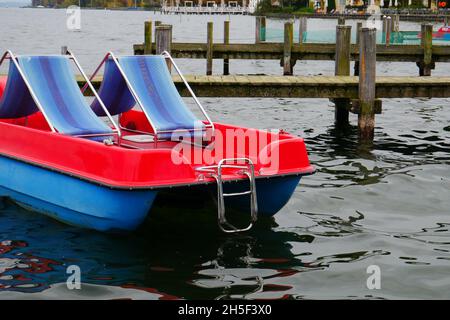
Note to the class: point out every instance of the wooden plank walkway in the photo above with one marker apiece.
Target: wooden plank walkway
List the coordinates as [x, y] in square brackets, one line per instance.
[308, 86]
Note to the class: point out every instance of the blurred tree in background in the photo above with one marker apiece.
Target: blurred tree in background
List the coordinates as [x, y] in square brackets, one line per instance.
[97, 3]
[284, 6]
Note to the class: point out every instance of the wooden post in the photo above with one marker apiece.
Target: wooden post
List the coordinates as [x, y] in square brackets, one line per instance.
[163, 40]
[427, 64]
[226, 40]
[367, 78]
[396, 28]
[148, 37]
[341, 21]
[343, 42]
[303, 27]
[263, 29]
[288, 41]
[358, 36]
[209, 49]
[342, 68]
[396, 25]
[157, 23]
[64, 50]
[260, 29]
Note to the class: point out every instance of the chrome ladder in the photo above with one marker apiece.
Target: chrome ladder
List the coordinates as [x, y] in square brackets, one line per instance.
[247, 169]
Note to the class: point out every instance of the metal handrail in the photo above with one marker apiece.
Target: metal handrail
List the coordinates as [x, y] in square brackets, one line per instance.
[216, 173]
[213, 168]
[33, 95]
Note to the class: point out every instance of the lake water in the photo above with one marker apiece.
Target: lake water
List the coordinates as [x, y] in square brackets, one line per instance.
[386, 205]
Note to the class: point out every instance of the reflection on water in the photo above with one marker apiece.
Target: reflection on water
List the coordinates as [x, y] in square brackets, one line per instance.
[384, 204]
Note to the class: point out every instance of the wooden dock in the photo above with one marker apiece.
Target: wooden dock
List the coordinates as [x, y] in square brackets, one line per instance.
[424, 55]
[307, 87]
[306, 51]
[361, 93]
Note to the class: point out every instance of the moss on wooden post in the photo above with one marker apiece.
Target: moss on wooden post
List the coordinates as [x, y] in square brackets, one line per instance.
[367, 77]
[427, 64]
[342, 58]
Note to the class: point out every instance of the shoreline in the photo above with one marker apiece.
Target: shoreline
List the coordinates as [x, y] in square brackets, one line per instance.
[438, 17]
[403, 17]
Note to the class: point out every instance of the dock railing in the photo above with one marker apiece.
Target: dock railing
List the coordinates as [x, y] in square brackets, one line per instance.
[424, 53]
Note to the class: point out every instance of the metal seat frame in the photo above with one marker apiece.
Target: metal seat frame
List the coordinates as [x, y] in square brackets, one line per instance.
[8, 55]
[155, 132]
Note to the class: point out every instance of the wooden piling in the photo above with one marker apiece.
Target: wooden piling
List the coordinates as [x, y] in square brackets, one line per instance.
[303, 27]
[383, 29]
[343, 42]
[358, 35]
[260, 29]
[226, 40]
[427, 64]
[287, 49]
[396, 23]
[157, 23]
[209, 49]
[342, 68]
[341, 21]
[367, 77]
[263, 29]
[148, 37]
[163, 40]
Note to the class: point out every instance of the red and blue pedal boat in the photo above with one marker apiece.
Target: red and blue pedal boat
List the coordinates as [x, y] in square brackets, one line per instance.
[101, 164]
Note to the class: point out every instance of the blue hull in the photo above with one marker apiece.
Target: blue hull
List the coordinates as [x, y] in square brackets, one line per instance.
[85, 204]
[272, 194]
[72, 200]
